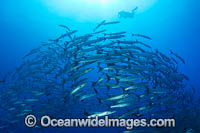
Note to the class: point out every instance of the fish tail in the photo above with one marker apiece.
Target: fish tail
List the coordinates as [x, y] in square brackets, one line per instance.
[100, 69]
[171, 52]
[99, 99]
[133, 11]
[95, 90]
[108, 77]
[108, 106]
[117, 81]
[98, 64]
[93, 84]
[118, 42]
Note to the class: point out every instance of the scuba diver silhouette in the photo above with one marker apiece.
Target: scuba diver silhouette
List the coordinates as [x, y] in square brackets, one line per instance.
[124, 14]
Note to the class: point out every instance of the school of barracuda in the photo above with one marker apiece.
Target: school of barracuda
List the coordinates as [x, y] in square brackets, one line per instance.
[99, 73]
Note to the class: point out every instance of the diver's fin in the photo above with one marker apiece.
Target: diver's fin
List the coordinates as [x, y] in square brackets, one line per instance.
[133, 11]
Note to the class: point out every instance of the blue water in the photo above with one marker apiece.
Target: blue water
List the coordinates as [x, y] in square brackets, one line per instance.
[172, 24]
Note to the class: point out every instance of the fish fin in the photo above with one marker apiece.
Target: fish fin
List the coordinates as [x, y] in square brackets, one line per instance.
[95, 90]
[99, 100]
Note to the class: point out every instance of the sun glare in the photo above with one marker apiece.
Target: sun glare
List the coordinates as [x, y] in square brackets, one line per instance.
[104, 2]
[96, 9]
[99, 2]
